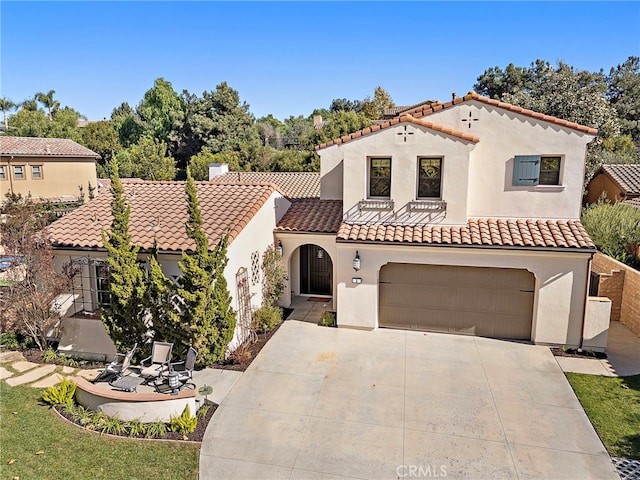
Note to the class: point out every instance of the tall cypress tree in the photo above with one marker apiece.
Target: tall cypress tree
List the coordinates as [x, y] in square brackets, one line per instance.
[201, 271]
[123, 318]
[225, 317]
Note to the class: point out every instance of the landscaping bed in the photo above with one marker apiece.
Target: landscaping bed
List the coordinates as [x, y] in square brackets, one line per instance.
[573, 352]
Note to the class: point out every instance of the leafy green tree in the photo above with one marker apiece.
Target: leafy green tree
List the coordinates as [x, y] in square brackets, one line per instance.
[147, 160]
[102, 138]
[623, 92]
[373, 108]
[345, 105]
[123, 318]
[299, 132]
[162, 112]
[270, 130]
[28, 123]
[615, 229]
[128, 124]
[65, 125]
[341, 123]
[495, 82]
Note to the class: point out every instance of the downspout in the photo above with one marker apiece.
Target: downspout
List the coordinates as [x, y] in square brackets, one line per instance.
[9, 174]
[586, 300]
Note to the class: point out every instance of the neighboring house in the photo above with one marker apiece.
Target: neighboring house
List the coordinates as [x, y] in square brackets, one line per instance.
[460, 217]
[249, 212]
[617, 183]
[53, 169]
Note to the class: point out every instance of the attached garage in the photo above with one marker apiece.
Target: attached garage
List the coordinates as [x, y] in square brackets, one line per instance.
[488, 302]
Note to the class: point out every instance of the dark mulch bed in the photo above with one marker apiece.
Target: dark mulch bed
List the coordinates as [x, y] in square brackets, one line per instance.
[34, 355]
[196, 436]
[572, 352]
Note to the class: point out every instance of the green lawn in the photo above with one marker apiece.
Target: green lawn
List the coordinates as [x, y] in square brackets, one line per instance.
[613, 406]
[27, 426]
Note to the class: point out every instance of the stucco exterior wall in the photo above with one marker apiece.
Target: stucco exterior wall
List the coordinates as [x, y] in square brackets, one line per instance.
[390, 142]
[60, 177]
[504, 134]
[560, 280]
[291, 243]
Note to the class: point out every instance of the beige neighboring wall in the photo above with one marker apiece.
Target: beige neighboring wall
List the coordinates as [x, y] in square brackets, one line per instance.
[602, 183]
[61, 177]
[559, 283]
[504, 134]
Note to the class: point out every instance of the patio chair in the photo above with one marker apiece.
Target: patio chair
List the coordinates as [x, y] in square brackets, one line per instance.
[118, 367]
[154, 366]
[184, 369]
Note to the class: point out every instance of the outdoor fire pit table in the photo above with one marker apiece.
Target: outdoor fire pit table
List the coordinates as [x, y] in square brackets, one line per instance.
[128, 383]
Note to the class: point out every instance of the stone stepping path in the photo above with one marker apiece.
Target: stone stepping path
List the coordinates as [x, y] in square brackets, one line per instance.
[16, 370]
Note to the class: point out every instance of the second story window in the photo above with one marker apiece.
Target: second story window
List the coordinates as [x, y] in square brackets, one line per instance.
[429, 177]
[36, 172]
[3, 172]
[550, 171]
[379, 177]
[18, 172]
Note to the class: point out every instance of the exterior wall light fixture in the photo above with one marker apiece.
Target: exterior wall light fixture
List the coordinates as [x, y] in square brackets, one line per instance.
[356, 262]
[279, 248]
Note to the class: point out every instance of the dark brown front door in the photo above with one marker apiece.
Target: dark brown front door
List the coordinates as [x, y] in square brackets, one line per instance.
[315, 271]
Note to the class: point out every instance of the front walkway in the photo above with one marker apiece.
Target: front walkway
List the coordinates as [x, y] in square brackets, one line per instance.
[321, 402]
[623, 356]
[309, 309]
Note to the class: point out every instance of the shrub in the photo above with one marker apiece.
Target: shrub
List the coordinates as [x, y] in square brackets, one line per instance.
[202, 411]
[60, 395]
[274, 279]
[327, 319]
[156, 429]
[136, 428]
[113, 426]
[615, 229]
[9, 341]
[183, 424]
[49, 355]
[266, 318]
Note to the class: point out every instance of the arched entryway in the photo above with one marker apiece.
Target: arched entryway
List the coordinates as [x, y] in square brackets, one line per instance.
[316, 271]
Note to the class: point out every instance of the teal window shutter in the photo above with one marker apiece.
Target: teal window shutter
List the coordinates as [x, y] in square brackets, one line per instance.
[526, 170]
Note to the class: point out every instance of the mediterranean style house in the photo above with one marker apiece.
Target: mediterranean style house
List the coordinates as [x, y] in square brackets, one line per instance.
[460, 217]
[52, 169]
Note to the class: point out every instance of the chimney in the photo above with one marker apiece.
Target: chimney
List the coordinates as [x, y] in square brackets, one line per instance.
[217, 169]
[317, 121]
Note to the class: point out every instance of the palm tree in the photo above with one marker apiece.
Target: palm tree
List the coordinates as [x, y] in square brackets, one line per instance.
[47, 100]
[6, 105]
[30, 104]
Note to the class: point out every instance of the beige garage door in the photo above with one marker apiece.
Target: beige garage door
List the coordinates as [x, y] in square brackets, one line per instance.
[488, 302]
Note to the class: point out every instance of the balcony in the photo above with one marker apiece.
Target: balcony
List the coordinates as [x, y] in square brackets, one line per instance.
[375, 205]
[427, 206]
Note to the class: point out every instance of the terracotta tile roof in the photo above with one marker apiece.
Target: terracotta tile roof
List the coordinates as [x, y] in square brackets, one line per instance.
[500, 232]
[425, 110]
[393, 111]
[159, 209]
[395, 121]
[290, 184]
[318, 216]
[634, 202]
[626, 177]
[48, 147]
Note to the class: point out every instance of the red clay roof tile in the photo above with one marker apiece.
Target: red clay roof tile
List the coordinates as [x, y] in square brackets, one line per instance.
[159, 210]
[47, 147]
[499, 232]
[395, 121]
[290, 184]
[312, 215]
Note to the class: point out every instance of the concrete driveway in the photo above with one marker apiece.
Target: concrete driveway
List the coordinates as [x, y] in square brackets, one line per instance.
[327, 403]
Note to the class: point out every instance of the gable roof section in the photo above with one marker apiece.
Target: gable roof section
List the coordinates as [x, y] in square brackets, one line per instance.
[312, 216]
[395, 121]
[159, 210]
[290, 184]
[43, 147]
[481, 232]
[626, 177]
[423, 111]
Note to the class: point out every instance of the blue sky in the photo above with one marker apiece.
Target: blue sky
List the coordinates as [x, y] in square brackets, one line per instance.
[291, 57]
